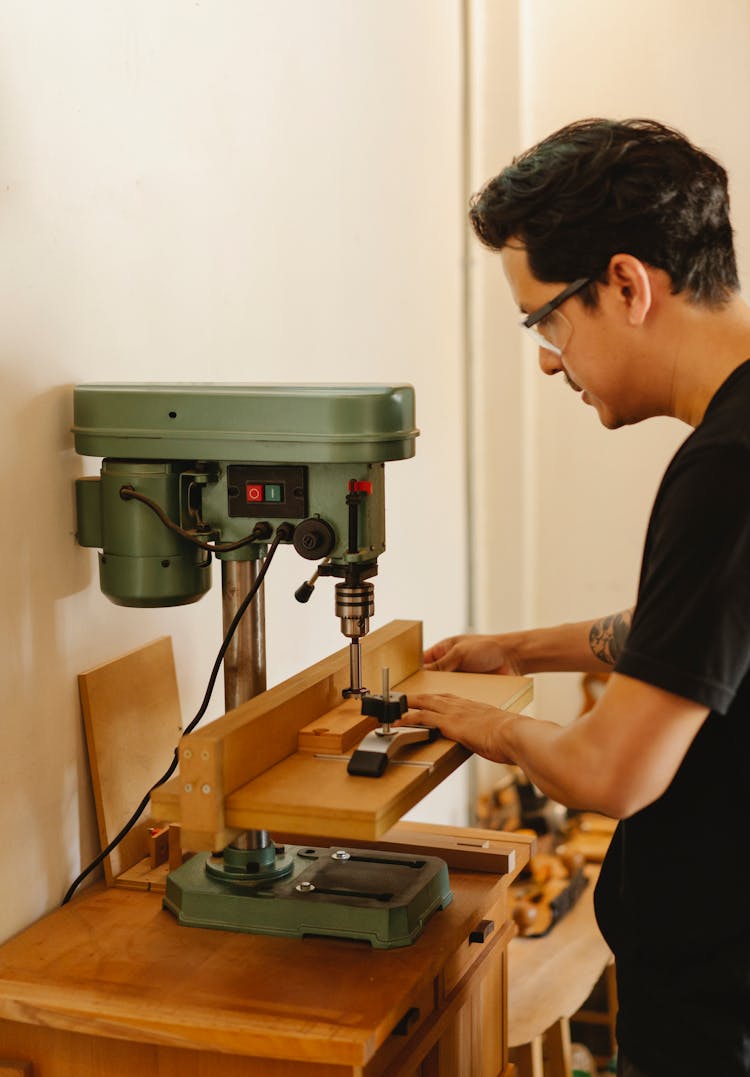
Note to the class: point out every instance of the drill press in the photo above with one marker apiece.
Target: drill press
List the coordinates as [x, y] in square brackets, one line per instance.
[194, 471]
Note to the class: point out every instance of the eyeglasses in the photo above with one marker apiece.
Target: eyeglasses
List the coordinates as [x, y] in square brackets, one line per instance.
[548, 326]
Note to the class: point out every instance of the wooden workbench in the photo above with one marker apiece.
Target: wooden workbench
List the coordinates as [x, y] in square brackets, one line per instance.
[112, 985]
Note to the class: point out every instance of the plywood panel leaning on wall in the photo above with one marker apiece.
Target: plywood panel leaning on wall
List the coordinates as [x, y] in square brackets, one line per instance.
[131, 711]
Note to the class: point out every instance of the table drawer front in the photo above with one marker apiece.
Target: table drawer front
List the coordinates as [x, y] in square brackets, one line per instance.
[406, 1030]
[485, 932]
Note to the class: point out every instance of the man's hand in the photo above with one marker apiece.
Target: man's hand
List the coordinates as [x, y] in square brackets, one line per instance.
[472, 654]
[475, 725]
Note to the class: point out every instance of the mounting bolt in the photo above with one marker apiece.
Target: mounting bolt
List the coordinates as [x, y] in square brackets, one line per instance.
[341, 854]
[187, 753]
[188, 787]
[204, 754]
[304, 887]
[206, 788]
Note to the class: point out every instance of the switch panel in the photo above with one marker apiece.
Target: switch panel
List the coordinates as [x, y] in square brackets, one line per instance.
[260, 490]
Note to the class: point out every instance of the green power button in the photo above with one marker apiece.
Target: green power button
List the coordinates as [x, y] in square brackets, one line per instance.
[273, 491]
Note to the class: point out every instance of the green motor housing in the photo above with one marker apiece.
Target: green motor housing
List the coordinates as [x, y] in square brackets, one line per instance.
[142, 562]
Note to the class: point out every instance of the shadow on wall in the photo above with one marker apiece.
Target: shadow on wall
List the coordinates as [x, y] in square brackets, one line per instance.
[44, 625]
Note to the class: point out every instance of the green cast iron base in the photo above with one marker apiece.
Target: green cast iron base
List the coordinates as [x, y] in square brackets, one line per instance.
[384, 898]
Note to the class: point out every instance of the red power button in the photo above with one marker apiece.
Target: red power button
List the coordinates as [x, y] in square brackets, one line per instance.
[254, 491]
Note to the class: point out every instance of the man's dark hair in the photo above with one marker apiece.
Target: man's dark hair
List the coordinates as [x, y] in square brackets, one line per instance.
[601, 187]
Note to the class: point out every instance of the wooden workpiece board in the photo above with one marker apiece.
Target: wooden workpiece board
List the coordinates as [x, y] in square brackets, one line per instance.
[311, 792]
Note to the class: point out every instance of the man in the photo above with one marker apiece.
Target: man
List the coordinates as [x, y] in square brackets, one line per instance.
[617, 247]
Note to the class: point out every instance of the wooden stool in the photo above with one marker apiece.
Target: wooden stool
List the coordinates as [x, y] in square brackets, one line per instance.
[549, 979]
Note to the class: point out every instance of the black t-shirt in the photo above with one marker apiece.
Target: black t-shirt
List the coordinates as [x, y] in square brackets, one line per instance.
[673, 900]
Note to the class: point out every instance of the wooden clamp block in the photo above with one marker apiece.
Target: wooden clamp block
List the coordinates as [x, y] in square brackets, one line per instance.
[158, 845]
[338, 731]
[174, 844]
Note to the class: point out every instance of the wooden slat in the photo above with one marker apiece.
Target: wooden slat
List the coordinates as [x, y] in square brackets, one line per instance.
[462, 853]
[143, 877]
[524, 844]
[131, 711]
[462, 848]
[470, 848]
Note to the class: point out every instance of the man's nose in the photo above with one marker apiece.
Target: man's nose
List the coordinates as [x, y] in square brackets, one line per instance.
[549, 361]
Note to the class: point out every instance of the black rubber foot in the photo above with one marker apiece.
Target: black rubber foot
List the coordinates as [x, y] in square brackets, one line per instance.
[367, 764]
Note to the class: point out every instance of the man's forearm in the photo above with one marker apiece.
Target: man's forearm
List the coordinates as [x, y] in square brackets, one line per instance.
[617, 758]
[581, 647]
[551, 759]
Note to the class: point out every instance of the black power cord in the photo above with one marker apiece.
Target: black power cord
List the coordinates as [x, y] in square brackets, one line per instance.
[284, 532]
[260, 532]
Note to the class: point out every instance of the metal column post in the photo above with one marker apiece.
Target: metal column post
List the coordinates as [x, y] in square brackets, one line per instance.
[245, 660]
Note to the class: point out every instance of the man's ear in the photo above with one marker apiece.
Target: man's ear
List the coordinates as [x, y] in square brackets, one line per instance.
[631, 287]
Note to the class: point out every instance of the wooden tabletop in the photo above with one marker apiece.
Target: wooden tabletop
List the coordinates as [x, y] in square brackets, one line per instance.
[114, 963]
[551, 977]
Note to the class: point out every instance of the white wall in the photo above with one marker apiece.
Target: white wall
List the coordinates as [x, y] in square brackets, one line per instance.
[579, 520]
[229, 191]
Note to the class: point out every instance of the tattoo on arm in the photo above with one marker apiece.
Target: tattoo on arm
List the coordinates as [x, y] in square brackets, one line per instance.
[607, 636]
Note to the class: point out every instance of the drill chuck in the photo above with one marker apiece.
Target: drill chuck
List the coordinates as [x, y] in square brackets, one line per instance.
[355, 605]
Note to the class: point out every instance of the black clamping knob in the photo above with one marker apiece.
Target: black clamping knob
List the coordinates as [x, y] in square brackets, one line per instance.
[387, 709]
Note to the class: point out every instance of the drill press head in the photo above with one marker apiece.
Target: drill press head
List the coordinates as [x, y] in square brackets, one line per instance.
[226, 465]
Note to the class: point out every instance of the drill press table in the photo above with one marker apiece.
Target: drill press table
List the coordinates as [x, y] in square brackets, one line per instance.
[111, 984]
[266, 764]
